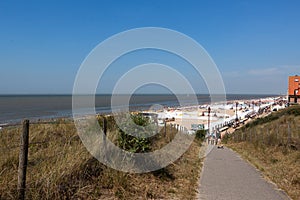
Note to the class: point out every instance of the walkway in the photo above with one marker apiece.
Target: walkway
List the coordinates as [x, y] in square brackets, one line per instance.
[225, 176]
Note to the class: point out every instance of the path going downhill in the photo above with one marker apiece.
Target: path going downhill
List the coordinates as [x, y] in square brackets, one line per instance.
[225, 176]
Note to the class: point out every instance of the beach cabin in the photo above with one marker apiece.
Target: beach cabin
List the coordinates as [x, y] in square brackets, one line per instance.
[294, 89]
[153, 117]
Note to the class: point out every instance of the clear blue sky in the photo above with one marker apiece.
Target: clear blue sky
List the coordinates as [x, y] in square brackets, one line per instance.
[255, 44]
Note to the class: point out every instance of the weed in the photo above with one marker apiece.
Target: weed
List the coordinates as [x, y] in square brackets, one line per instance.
[59, 167]
[272, 144]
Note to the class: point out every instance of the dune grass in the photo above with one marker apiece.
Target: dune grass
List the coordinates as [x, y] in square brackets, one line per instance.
[272, 144]
[59, 167]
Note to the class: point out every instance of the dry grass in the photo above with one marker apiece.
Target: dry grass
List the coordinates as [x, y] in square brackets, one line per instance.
[61, 168]
[281, 168]
[274, 149]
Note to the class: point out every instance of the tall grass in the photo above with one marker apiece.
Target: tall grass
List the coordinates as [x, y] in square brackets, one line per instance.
[272, 144]
[60, 167]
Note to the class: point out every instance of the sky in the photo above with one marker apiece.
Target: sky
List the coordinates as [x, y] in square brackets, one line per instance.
[255, 44]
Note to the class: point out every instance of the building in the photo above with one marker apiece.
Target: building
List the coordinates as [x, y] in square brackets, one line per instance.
[294, 89]
[151, 116]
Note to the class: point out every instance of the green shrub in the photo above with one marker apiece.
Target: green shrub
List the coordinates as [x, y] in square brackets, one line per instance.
[292, 110]
[200, 134]
[139, 144]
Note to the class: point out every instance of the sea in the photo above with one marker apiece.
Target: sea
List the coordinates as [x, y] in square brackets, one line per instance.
[15, 108]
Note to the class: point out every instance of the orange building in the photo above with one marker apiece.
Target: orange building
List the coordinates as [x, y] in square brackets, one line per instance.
[294, 89]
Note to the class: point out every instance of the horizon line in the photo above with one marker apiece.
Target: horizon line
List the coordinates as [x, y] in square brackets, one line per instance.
[70, 94]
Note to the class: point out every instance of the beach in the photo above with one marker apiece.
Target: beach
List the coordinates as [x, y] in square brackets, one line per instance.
[14, 108]
[219, 117]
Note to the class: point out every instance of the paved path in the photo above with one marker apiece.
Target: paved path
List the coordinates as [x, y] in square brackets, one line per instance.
[226, 176]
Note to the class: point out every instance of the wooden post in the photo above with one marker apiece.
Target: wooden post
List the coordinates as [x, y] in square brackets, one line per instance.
[104, 132]
[103, 147]
[23, 158]
[208, 120]
[104, 125]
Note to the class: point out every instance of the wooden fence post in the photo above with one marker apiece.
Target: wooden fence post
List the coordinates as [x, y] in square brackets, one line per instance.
[104, 133]
[104, 125]
[23, 159]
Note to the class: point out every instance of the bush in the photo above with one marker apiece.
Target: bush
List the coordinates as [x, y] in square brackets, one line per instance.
[136, 144]
[200, 134]
[292, 110]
